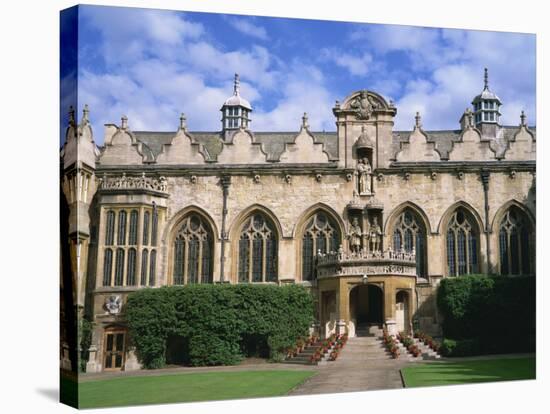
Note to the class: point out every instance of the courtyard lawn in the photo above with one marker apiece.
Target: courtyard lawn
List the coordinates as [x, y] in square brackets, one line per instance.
[467, 372]
[189, 387]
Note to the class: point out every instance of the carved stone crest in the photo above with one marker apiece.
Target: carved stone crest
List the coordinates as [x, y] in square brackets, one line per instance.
[113, 304]
[363, 105]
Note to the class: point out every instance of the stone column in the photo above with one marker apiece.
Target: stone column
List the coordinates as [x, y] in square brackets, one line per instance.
[389, 308]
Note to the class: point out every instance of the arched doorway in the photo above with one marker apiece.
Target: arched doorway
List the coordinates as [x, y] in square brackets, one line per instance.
[367, 306]
[402, 314]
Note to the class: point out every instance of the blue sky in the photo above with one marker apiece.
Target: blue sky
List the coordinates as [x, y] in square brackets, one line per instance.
[151, 65]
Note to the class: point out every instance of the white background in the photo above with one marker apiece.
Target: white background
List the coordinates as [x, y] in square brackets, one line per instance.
[29, 90]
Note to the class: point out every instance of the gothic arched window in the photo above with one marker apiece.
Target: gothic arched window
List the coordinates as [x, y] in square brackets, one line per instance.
[119, 267]
[258, 247]
[410, 234]
[132, 232]
[321, 234]
[152, 267]
[193, 251]
[121, 235]
[462, 244]
[107, 267]
[144, 261]
[110, 228]
[131, 268]
[146, 228]
[514, 243]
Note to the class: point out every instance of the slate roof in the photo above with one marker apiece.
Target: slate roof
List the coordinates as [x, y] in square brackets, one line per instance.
[444, 139]
[272, 142]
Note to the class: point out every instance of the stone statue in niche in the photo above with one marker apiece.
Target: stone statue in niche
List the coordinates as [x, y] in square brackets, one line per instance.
[375, 235]
[364, 172]
[355, 236]
[363, 105]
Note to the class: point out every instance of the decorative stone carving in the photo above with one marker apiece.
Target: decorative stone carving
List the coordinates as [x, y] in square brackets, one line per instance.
[123, 182]
[349, 177]
[363, 105]
[318, 177]
[113, 304]
[512, 174]
[460, 175]
[354, 236]
[380, 177]
[256, 178]
[288, 178]
[375, 235]
[364, 172]
[193, 179]
[407, 175]
[433, 175]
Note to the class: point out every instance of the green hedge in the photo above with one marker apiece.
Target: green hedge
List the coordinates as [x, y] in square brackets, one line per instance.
[496, 312]
[216, 320]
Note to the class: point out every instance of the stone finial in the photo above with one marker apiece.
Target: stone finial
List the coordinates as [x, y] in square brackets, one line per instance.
[486, 79]
[183, 121]
[418, 120]
[124, 122]
[236, 85]
[85, 113]
[305, 123]
[71, 115]
[337, 104]
[469, 117]
[523, 119]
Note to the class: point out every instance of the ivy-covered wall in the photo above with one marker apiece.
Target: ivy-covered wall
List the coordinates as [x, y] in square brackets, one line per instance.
[492, 314]
[215, 320]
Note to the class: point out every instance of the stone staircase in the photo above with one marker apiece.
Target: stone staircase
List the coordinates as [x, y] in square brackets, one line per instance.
[303, 357]
[427, 352]
[366, 345]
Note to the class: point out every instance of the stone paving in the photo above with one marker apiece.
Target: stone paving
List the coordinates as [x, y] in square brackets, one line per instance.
[362, 365]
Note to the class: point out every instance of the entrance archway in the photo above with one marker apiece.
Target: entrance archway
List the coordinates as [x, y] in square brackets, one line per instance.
[402, 315]
[367, 306]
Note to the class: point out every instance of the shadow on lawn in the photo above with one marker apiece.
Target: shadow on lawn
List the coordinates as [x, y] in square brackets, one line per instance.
[447, 373]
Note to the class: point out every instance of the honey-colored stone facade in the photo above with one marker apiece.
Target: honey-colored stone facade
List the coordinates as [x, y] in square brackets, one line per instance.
[483, 176]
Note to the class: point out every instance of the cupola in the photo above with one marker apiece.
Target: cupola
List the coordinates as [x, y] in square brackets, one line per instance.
[486, 105]
[236, 110]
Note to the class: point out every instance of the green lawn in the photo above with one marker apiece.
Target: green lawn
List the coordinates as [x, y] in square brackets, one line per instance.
[188, 387]
[467, 372]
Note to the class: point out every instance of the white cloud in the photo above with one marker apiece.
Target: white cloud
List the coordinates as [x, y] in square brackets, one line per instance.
[246, 27]
[358, 65]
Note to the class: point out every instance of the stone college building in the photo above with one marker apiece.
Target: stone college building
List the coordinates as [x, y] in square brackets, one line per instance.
[369, 218]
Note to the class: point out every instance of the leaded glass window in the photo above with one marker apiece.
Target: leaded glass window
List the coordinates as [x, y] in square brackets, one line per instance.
[462, 244]
[321, 234]
[146, 228]
[119, 267]
[409, 234]
[193, 251]
[107, 267]
[152, 267]
[131, 268]
[110, 228]
[121, 234]
[132, 232]
[154, 226]
[258, 250]
[514, 243]
[144, 262]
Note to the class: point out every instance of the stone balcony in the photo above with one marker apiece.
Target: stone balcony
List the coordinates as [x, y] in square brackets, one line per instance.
[366, 263]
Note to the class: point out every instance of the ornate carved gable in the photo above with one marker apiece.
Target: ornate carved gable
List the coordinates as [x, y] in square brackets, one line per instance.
[242, 149]
[471, 147]
[364, 105]
[522, 146]
[121, 148]
[79, 142]
[417, 148]
[182, 150]
[304, 149]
